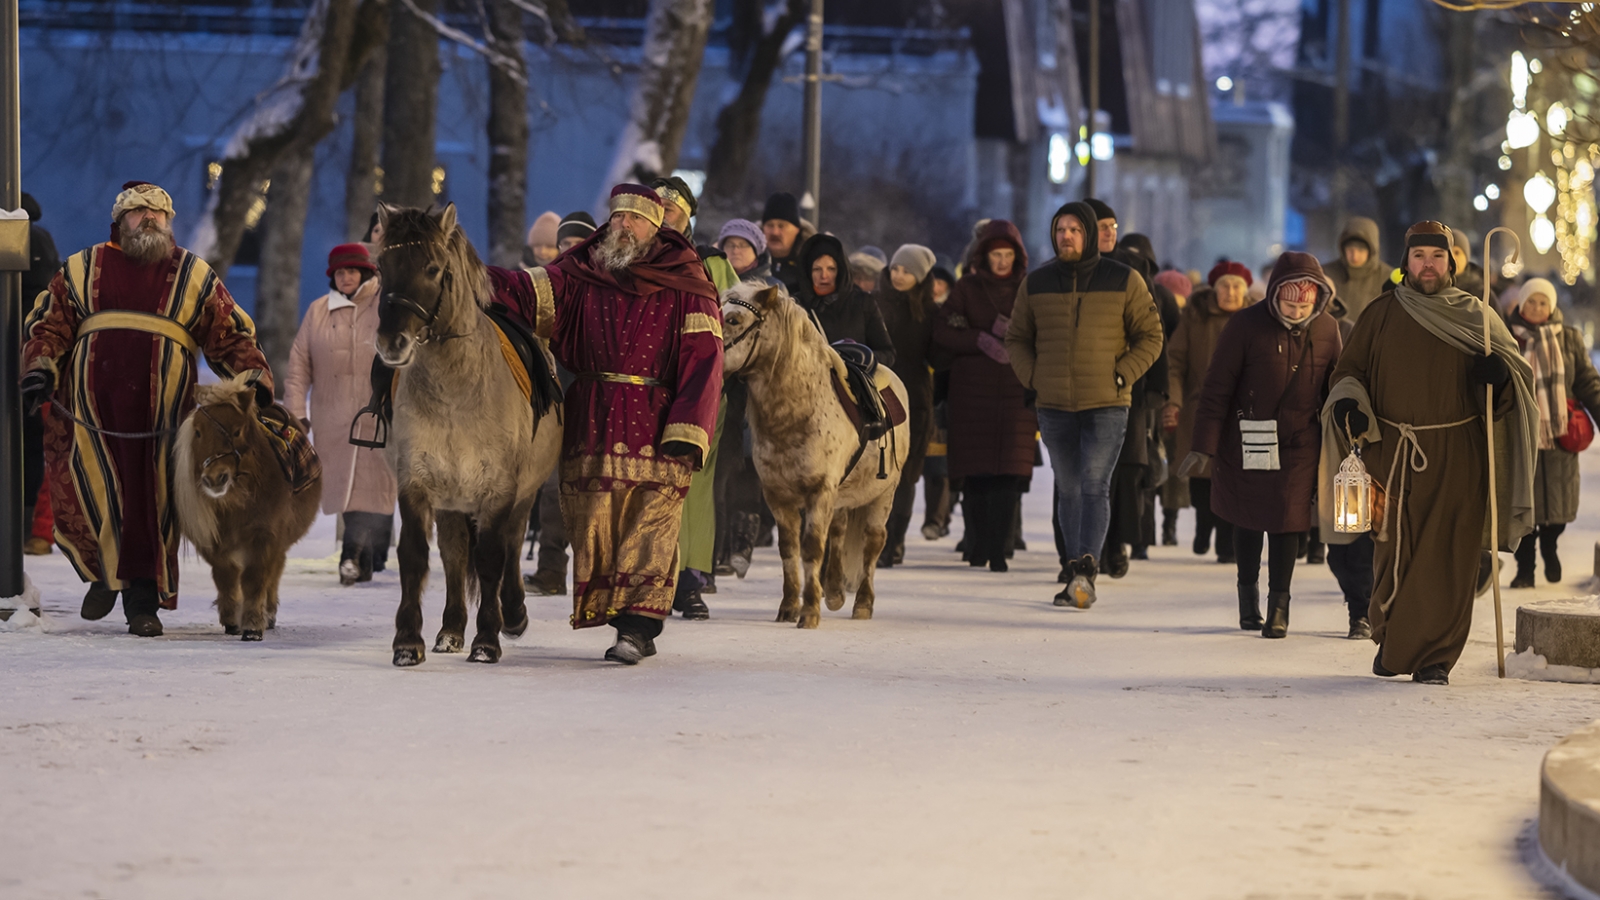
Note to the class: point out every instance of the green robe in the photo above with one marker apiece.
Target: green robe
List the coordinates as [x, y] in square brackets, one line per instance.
[697, 530]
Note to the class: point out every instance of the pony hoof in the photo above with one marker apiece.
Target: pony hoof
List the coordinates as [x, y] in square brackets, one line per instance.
[861, 612]
[516, 630]
[409, 656]
[483, 653]
[230, 629]
[788, 615]
[272, 624]
[449, 643]
[810, 621]
[250, 635]
[835, 603]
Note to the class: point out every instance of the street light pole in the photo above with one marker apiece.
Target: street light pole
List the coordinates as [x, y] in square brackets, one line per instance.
[1094, 92]
[11, 499]
[811, 138]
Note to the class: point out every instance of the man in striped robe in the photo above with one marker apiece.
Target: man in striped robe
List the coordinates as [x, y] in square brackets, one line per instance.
[114, 344]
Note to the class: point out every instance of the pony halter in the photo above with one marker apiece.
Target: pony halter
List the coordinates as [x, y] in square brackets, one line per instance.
[753, 330]
[389, 298]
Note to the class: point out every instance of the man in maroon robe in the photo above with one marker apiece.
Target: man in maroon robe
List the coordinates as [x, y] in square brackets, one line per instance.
[632, 314]
[113, 345]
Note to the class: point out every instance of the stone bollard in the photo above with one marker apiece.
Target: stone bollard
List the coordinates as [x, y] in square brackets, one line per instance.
[1564, 632]
[1569, 807]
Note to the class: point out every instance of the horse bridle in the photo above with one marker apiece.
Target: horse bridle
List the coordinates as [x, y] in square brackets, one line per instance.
[233, 449]
[754, 329]
[388, 298]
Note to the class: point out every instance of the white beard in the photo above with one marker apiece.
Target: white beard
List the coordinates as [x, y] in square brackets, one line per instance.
[146, 246]
[618, 250]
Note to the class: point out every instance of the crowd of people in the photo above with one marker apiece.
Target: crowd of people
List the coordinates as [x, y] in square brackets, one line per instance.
[1147, 387]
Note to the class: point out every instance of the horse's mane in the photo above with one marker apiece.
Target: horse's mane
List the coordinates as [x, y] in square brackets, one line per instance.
[198, 514]
[471, 278]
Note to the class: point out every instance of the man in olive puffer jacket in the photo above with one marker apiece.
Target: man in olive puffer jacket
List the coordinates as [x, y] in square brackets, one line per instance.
[1084, 329]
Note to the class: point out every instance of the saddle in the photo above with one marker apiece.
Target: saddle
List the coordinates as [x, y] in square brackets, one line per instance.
[870, 403]
[533, 370]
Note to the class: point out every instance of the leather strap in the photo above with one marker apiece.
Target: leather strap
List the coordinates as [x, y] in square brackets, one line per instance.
[124, 320]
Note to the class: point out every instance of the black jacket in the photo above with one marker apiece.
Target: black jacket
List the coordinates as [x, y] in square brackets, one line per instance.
[847, 313]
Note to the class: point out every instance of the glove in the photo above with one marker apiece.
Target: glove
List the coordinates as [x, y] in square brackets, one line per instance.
[1490, 370]
[1194, 462]
[993, 349]
[682, 450]
[1001, 325]
[264, 397]
[1347, 414]
[37, 386]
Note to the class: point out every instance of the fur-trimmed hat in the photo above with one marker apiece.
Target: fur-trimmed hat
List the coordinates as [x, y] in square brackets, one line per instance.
[1431, 234]
[639, 200]
[142, 195]
[744, 230]
[1229, 267]
[349, 256]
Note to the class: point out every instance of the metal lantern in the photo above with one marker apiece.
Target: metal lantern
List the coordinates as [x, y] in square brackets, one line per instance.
[1353, 495]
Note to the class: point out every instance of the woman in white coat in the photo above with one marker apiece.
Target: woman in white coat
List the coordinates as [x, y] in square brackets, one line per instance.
[332, 360]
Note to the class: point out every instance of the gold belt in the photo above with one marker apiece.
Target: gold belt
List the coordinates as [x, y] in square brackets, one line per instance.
[125, 320]
[615, 378]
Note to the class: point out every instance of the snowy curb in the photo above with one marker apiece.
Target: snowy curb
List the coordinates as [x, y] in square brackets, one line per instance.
[1569, 811]
[1564, 633]
[27, 615]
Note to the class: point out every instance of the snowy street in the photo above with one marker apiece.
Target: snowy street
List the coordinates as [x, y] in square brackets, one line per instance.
[971, 740]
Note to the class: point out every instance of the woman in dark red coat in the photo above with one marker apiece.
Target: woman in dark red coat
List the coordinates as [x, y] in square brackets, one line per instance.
[991, 423]
[1273, 362]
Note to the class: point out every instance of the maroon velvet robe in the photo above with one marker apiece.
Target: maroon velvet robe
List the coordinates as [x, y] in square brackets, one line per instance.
[659, 324]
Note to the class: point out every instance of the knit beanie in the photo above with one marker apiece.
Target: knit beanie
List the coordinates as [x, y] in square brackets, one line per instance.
[1175, 281]
[782, 206]
[349, 256]
[875, 253]
[1537, 286]
[866, 263]
[543, 232]
[1101, 209]
[745, 230]
[576, 225]
[916, 259]
[1229, 267]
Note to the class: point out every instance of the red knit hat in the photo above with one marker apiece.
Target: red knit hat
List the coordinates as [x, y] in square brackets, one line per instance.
[1229, 267]
[349, 256]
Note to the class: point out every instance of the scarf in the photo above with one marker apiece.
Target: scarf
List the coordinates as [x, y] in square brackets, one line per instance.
[1541, 347]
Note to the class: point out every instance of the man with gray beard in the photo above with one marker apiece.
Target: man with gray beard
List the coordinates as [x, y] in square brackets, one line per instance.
[113, 345]
[631, 313]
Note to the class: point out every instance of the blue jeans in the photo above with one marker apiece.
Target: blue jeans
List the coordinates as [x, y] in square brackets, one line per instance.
[1083, 452]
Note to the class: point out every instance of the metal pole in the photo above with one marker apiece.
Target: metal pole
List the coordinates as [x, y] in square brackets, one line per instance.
[1488, 419]
[1089, 186]
[1341, 114]
[811, 140]
[11, 499]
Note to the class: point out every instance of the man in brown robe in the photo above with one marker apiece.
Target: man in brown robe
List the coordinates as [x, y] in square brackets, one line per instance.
[1412, 383]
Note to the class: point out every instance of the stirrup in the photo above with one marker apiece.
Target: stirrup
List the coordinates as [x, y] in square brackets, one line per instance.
[380, 430]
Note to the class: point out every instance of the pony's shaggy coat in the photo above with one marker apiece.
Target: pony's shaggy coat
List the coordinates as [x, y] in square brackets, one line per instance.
[804, 441]
[463, 442]
[238, 509]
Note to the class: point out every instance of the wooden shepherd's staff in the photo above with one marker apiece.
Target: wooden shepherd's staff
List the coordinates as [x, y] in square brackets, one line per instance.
[1488, 420]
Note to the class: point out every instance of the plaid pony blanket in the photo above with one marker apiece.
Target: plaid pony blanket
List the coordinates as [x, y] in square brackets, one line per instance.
[292, 446]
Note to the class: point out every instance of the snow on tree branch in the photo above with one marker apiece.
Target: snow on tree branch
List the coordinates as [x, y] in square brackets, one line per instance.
[499, 60]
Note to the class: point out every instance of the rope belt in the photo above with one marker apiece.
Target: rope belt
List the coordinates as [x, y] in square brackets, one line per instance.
[615, 378]
[124, 320]
[1409, 448]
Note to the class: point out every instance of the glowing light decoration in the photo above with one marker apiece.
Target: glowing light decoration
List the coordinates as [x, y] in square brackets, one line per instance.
[1353, 495]
[1522, 129]
[1082, 152]
[1540, 192]
[1492, 192]
[1058, 156]
[1556, 118]
[1543, 233]
[1480, 203]
[1224, 84]
[1504, 163]
[1101, 146]
[1519, 80]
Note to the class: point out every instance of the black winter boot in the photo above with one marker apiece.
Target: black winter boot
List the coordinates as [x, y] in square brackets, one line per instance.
[1524, 557]
[1249, 607]
[1548, 535]
[1115, 557]
[141, 602]
[1277, 624]
[98, 602]
[1169, 528]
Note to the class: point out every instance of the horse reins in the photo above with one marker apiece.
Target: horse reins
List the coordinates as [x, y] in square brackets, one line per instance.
[233, 449]
[427, 316]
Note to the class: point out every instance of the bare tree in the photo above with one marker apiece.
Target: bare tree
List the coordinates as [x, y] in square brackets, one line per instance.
[674, 44]
[362, 185]
[508, 134]
[296, 112]
[410, 104]
[282, 240]
[758, 40]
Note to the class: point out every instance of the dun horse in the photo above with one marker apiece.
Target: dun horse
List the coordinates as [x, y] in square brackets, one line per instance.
[236, 506]
[805, 444]
[463, 442]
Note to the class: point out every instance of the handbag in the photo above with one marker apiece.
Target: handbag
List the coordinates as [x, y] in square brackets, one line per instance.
[1580, 429]
[1258, 438]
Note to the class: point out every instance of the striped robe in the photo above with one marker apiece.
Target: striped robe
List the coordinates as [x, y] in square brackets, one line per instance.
[112, 497]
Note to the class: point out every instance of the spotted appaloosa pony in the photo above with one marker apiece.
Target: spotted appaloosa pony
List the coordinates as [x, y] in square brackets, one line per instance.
[236, 506]
[804, 445]
[463, 441]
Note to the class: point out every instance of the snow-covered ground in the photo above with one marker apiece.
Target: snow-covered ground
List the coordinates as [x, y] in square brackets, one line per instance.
[970, 741]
